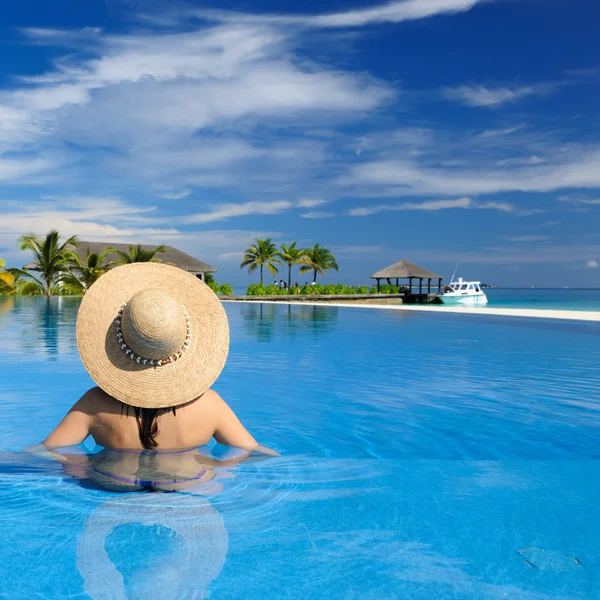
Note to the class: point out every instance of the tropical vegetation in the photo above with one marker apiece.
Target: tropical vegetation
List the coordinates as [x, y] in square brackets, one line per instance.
[135, 254]
[51, 258]
[222, 290]
[291, 255]
[339, 289]
[263, 253]
[5, 277]
[318, 260]
[81, 274]
[61, 270]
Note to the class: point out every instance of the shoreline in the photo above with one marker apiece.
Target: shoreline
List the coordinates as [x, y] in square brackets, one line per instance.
[529, 313]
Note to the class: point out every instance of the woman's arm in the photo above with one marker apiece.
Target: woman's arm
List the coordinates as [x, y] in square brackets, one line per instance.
[230, 431]
[75, 427]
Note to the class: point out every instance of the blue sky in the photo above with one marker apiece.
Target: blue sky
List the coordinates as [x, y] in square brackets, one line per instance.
[441, 131]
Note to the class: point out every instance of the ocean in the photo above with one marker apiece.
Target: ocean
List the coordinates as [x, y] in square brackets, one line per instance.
[542, 298]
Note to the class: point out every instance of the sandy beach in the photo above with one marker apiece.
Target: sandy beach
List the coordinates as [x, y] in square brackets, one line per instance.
[567, 315]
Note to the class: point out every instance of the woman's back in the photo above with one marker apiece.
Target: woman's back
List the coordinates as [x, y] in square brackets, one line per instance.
[115, 425]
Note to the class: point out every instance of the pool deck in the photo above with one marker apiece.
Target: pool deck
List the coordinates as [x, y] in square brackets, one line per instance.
[531, 313]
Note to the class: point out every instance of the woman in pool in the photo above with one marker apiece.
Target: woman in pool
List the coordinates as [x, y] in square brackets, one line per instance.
[154, 338]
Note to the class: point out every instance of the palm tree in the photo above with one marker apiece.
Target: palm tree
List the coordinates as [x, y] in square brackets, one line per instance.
[136, 254]
[5, 276]
[51, 257]
[82, 274]
[18, 281]
[318, 260]
[291, 256]
[6, 279]
[262, 253]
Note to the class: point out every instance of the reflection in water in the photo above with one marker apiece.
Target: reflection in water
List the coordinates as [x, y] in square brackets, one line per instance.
[49, 324]
[140, 545]
[264, 320]
[185, 539]
[186, 573]
[148, 471]
[7, 304]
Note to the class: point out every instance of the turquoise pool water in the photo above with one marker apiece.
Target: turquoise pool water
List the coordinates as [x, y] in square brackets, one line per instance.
[424, 456]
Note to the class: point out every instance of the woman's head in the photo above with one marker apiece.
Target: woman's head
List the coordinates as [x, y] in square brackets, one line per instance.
[152, 336]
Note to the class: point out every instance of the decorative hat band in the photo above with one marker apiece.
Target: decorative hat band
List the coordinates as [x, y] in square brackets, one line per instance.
[147, 361]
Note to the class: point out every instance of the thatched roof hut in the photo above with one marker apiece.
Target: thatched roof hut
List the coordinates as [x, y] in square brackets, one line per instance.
[171, 255]
[407, 270]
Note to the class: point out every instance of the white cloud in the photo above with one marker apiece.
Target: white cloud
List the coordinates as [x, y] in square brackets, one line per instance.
[432, 205]
[392, 12]
[580, 200]
[494, 133]
[526, 238]
[592, 264]
[576, 167]
[310, 202]
[109, 219]
[175, 194]
[513, 255]
[479, 95]
[227, 211]
[12, 169]
[501, 206]
[220, 212]
[235, 105]
[317, 214]
[87, 217]
[160, 107]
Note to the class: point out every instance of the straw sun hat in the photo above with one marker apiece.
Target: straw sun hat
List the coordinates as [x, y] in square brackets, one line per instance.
[152, 335]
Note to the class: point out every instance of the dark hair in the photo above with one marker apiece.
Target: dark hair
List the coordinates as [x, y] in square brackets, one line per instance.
[147, 421]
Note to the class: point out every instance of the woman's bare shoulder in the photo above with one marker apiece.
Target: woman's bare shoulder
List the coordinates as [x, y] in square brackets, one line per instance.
[209, 402]
[97, 400]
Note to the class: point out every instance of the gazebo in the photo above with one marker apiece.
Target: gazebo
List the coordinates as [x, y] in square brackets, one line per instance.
[407, 270]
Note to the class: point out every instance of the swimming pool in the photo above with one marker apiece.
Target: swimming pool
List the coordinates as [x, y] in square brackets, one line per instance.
[424, 456]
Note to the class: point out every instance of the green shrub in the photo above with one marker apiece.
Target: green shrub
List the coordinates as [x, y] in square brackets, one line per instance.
[225, 290]
[388, 289]
[255, 289]
[272, 290]
[214, 286]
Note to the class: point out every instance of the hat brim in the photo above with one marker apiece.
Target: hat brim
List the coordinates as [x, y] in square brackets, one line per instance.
[142, 385]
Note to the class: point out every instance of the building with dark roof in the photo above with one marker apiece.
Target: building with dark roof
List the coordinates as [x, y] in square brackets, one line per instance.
[171, 255]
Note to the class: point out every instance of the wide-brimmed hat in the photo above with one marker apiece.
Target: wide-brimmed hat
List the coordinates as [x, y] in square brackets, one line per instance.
[152, 335]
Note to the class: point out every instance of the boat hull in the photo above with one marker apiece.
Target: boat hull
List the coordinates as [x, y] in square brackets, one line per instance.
[464, 300]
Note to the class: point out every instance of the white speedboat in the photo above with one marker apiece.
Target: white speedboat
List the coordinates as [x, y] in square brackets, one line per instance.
[464, 293]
